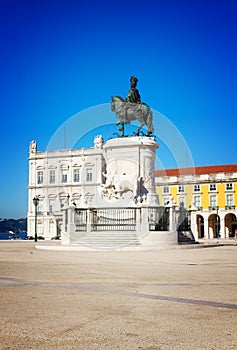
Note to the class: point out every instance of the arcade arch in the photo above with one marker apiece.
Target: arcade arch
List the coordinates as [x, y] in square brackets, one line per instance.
[230, 225]
[214, 226]
[200, 226]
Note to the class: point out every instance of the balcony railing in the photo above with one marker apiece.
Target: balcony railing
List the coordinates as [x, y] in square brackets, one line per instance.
[214, 207]
[54, 213]
[230, 207]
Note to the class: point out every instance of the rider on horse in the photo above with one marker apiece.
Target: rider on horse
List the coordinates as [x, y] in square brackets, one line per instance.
[132, 109]
[133, 95]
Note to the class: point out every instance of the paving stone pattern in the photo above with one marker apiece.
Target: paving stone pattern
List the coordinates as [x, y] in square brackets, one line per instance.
[149, 300]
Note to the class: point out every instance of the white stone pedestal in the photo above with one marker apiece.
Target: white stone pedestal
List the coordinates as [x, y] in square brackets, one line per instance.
[130, 168]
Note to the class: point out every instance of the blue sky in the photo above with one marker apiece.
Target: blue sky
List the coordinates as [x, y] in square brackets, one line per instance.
[61, 57]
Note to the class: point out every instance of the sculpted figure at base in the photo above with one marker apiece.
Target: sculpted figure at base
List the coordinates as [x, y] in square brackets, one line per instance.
[132, 109]
[116, 186]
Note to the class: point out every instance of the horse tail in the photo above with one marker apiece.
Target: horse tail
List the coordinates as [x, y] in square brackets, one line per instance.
[149, 122]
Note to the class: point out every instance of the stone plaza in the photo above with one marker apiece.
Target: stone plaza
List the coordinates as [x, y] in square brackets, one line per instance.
[151, 300]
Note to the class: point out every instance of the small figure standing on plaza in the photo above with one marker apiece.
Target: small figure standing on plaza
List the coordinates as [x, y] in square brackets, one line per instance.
[132, 109]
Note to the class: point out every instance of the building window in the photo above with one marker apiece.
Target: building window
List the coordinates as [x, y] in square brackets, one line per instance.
[229, 200]
[213, 201]
[88, 175]
[166, 189]
[51, 206]
[52, 176]
[39, 177]
[212, 187]
[40, 207]
[64, 177]
[229, 187]
[196, 188]
[76, 175]
[197, 201]
[181, 189]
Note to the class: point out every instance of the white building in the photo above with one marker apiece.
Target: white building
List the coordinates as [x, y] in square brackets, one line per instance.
[61, 177]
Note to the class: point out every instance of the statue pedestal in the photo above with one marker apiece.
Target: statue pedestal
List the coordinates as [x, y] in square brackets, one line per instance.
[130, 171]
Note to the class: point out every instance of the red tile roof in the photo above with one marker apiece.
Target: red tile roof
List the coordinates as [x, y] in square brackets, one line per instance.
[231, 168]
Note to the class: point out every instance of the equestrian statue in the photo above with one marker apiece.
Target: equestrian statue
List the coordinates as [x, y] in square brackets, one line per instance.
[132, 109]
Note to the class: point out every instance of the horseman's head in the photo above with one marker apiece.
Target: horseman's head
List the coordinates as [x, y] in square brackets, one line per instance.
[133, 81]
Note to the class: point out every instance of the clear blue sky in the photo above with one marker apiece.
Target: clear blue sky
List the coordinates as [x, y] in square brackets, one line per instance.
[61, 57]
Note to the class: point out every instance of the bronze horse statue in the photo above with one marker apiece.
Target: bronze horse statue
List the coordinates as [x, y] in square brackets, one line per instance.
[127, 112]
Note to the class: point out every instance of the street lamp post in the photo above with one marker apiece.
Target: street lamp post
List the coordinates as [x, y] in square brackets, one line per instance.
[36, 202]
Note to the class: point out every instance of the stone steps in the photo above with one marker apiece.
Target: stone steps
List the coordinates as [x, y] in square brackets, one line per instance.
[109, 239]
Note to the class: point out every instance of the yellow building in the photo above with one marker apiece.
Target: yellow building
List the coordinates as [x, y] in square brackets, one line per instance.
[208, 194]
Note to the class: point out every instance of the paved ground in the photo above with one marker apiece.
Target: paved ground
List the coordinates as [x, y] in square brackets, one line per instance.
[149, 300]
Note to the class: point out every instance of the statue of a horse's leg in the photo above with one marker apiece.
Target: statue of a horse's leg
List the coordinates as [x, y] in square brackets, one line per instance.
[138, 130]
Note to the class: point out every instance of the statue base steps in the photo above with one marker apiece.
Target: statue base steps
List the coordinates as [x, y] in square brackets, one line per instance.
[106, 240]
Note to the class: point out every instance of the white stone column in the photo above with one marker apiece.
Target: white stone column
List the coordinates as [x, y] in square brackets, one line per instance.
[89, 220]
[222, 226]
[194, 225]
[71, 224]
[172, 219]
[65, 239]
[144, 221]
[206, 228]
[138, 221]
